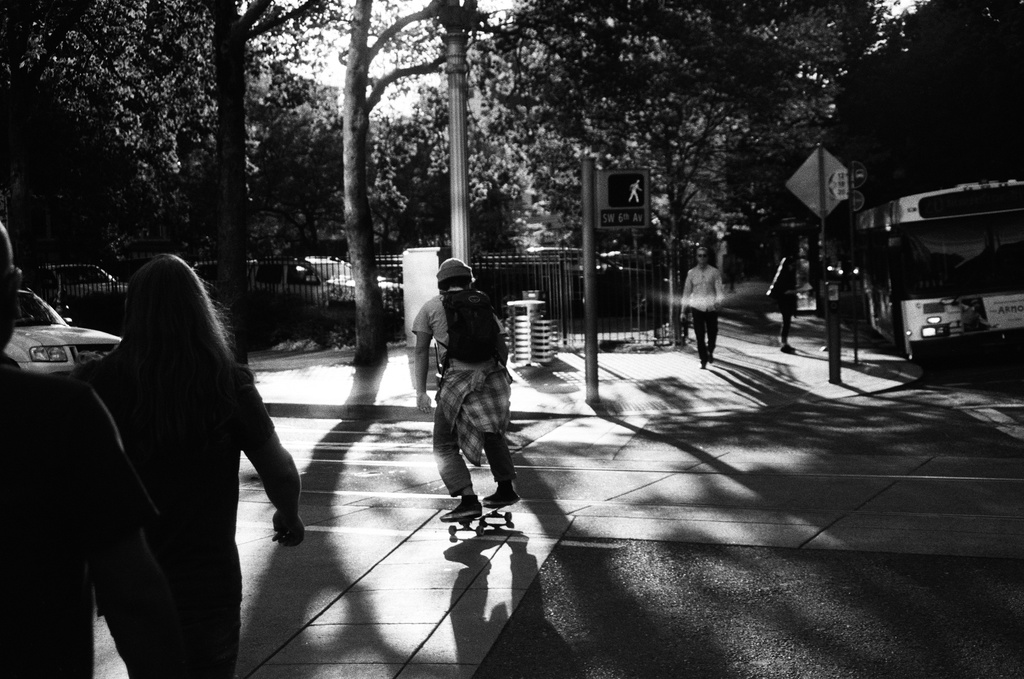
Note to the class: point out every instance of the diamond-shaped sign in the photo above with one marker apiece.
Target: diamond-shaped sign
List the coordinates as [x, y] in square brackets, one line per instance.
[811, 181]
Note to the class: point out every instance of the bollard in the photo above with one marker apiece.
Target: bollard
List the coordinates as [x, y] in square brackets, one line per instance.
[834, 336]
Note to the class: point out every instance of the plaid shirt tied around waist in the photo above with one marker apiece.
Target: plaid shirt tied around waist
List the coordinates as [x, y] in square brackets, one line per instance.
[476, 402]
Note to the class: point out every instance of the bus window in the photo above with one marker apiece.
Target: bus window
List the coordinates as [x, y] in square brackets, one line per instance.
[943, 255]
[1009, 258]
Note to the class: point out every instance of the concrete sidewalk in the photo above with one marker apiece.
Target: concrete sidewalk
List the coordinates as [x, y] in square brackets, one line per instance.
[381, 589]
[749, 373]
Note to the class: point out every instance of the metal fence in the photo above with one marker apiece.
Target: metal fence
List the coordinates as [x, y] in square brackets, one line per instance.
[634, 292]
[633, 302]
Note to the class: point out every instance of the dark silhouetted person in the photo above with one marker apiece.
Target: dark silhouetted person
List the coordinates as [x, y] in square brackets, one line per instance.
[473, 402]
[186, 410]
[74, 509]
[702, 295]
[784, 290]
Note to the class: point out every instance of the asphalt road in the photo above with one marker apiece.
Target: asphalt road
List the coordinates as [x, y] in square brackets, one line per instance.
[623, 609]
[651, 610]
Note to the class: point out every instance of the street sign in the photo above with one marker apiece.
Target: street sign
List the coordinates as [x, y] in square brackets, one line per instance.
[623, 199]
[858, 174]
[856, 200]
[838, 186]
[806, 182]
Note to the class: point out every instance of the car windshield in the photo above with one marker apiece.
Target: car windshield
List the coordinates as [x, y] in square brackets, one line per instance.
[34, 311]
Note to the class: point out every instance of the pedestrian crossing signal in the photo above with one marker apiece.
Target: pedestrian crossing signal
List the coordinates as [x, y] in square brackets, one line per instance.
[626, 190]
[622, 198]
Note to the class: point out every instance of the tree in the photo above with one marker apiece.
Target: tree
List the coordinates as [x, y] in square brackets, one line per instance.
[33, 33]
[932, 106]
[231, 32]
[295, 160]
[104, 111]
[361, 95]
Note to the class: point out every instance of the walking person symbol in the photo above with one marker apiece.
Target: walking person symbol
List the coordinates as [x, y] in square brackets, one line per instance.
[634, 192]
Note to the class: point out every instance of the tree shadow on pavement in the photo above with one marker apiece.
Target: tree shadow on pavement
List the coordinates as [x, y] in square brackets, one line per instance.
[648, 609]
[294, 590]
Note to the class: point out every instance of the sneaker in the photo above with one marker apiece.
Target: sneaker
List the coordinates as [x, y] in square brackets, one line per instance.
[466, 511]
[503, 498]
[786, 349]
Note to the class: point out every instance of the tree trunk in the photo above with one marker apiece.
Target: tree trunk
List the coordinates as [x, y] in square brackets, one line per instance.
[371, 343]
[232, 278]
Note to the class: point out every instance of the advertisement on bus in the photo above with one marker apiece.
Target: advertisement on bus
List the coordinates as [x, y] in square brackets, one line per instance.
[947, 318]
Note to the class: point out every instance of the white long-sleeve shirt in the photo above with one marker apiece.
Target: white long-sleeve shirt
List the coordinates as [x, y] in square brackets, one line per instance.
[703, 289]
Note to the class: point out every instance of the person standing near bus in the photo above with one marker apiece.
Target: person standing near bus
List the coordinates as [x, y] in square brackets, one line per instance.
[783, 291]
[702, 295]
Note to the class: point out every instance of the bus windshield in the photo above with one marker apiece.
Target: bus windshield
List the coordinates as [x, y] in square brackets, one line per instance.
[964, 254]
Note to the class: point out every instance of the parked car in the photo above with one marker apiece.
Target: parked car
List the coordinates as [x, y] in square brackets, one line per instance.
[292, 277]
[279, 275]
[44, 342]
[337, 276]
[76, 280]
[79, 288]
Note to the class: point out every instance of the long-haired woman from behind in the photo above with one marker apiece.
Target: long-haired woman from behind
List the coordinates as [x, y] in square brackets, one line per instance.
[186, 409]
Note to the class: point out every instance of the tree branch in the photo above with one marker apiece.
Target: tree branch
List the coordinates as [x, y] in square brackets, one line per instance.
[378, 87]
[280, 19]
[56, 36]
[428, 12]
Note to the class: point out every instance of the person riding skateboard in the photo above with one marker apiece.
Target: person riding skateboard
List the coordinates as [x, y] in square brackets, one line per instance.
[473, 396]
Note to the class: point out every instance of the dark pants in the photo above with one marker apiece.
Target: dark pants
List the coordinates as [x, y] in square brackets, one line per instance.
[787, 307]
[452, 466]
[705, 327]
[211, 641]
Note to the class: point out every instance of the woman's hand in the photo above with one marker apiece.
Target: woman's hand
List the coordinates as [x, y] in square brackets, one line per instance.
[288, 531]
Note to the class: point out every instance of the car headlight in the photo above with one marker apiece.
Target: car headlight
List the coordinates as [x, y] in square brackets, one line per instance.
[48, 355]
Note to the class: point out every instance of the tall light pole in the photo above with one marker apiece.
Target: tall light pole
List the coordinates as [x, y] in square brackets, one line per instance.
[457, 19]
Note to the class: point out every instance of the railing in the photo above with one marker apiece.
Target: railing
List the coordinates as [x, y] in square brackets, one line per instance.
[634, 290]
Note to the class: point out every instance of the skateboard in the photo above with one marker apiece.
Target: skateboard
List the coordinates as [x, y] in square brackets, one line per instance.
[482, 523]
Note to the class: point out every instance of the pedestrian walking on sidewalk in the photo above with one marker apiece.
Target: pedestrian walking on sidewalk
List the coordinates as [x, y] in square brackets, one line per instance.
[473, 396]
[75, 509]
[186, 410]
[702, 295]
[783, 290]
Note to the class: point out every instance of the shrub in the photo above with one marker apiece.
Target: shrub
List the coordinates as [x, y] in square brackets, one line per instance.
[272, 320]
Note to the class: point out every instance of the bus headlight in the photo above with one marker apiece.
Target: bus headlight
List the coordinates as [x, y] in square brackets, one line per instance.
[935, 331]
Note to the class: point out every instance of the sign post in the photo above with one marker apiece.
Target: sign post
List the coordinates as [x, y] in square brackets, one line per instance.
[589, 284]
[819, 183]
[858, 175]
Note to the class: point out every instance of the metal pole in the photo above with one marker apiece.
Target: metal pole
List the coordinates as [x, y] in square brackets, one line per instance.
[455, 43]
[589, 284]
[853, 283]
[832, 343]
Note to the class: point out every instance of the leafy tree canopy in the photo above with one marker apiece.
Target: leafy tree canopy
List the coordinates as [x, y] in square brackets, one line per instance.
[936, 103]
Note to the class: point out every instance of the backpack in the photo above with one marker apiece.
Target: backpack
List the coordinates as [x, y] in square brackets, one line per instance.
[472, 330]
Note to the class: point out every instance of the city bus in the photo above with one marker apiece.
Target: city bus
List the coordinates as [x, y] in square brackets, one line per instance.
[943, 271]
